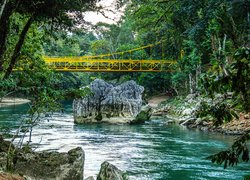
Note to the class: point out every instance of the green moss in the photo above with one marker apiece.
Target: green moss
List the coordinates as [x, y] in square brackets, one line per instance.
[142, 117]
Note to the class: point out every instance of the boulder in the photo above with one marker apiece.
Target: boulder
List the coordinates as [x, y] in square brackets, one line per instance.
[44, 165]
[144, 115]
[110, 172]
[52, 165]
[109, 103]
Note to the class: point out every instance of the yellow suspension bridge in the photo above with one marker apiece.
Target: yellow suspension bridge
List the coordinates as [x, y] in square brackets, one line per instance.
[114, 62]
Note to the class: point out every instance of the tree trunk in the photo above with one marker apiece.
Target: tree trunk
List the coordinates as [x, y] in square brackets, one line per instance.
[233, 34]
[191, 91]
[4, 31]
[18, 47]
[176, 90]
[197, 75]
[224, 55]
[241, 87]
[2, 7]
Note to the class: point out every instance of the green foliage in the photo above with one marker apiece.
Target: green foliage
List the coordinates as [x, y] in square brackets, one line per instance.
[116, 35]
[63, 43]
[76, 93]
[234, 78]
[215, 83]
[56, 14]
[231, 157]
[221, 112]
[247, 177]
[7, 87]
[178, 81]
[241, 75]
[100, 47]
[154, 82]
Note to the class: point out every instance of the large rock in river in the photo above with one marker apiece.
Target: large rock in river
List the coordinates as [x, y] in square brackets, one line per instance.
[109, 103]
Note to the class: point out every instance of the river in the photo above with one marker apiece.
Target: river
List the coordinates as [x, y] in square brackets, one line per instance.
[147, 152]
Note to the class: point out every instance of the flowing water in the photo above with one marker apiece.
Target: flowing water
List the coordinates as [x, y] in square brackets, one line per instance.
[147, 152]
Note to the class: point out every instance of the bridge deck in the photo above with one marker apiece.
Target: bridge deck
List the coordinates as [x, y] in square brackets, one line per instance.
[79, 64]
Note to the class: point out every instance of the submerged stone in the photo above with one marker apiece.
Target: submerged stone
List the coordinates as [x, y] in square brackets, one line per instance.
[109, 103]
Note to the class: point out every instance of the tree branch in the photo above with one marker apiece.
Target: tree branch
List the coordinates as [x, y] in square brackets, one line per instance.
[18, 47]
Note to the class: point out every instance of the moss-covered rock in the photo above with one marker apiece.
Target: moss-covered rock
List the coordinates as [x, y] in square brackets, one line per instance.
[143, 116]
[110, 172]
[43, 165]
[52, 165]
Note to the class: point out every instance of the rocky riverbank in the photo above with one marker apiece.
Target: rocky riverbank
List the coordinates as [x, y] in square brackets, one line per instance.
[186, 113]
[26, 164]
[42, 165]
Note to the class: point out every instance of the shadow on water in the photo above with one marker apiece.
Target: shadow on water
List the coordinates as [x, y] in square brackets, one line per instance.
[151, 151]
[10, 116]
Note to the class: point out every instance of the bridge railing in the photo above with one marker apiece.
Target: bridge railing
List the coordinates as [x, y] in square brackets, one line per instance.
[108, 65]
[125, 61]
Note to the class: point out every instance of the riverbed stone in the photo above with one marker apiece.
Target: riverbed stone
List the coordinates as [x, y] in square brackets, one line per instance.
[110, 172]
[109, 103]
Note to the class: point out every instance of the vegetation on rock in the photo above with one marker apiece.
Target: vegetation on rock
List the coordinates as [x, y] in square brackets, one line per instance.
[144, 115]
[109, 171]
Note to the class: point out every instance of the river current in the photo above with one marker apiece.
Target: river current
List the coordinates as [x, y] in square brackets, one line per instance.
[153, 151]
